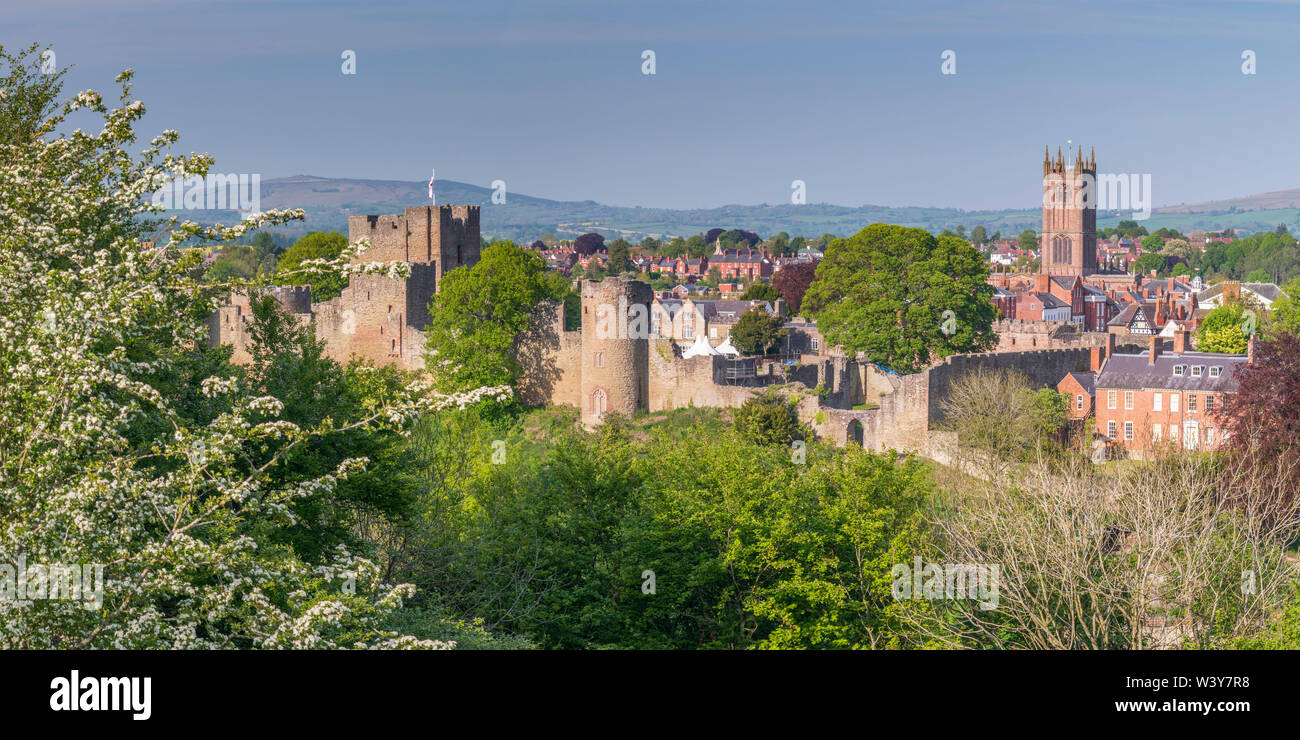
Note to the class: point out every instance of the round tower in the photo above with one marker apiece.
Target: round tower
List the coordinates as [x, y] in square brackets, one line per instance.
[615, 347]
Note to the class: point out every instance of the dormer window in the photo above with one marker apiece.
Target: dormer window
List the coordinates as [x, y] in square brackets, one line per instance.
[1178, 370]
[1215, 371]
[1197, 370]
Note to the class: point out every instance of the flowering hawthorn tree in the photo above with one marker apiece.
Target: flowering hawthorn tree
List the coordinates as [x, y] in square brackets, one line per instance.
[90, 319]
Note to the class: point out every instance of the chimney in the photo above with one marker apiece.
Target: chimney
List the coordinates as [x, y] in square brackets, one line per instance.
[1169, 284]
[1110, 344]
[779, 307]
[1043, 283]
[1156, 341]
[1250, 349]
[1182, 340]
[1095, 357]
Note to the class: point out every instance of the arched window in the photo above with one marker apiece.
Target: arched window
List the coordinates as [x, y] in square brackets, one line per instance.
[598, 402]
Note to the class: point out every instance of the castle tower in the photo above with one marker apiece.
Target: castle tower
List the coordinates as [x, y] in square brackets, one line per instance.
[615, 347]
[1068, 244]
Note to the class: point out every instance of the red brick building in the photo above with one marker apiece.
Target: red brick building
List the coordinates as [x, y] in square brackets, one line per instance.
[1157, 399]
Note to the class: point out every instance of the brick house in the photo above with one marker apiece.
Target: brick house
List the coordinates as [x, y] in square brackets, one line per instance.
[1153, 399]
[686, 319]
[750, 264]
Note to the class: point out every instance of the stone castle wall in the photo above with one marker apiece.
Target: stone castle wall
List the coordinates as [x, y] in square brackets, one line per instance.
[377, 318]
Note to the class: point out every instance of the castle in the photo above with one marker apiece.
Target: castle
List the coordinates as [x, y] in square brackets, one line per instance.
[612, 364]
[377, 318]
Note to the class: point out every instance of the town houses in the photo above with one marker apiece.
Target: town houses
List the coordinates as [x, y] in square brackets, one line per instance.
[1147, 401]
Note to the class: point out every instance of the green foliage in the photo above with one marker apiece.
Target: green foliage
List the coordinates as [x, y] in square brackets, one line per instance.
[760, 292]
[1029, 240]
[748, 549]
[1285, 316]
[619, 256]
[756, 331]
[1144, 264]
[314, 246]
[770, 420]
[888, 290]
[242, 262]
[31, 95]
[1223, 330]
[289, 364]
[479, 313]
[1277, 255]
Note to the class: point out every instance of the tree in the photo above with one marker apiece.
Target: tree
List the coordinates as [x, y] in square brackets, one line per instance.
[1285, 316]
[31, 95]
[1144, 264]
[619, 256]
[793, 281]
[1263, 438]
[1258, 275]
[125, 440]
[1153, 243]
[779, 244]
[979, 236]
[1029, 240]
[760, 292]
[903, 297]
[999, 419]
[589, 243]
[769, 419]
[1177, 247]
[756, 331]
[1224, 330]
[480, 312]
[316, 245]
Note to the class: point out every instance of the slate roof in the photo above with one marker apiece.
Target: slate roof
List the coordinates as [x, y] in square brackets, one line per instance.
[727, 312]
[1051, 301]
[1134, 372]
[1086, 380]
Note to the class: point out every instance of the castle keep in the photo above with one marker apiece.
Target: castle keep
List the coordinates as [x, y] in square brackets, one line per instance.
[376, 318]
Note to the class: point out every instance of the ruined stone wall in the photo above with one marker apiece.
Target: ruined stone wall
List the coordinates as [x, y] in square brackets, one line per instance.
[378, 318]
[551, 360]
[677, 382]
[229, 323]
[907, 419]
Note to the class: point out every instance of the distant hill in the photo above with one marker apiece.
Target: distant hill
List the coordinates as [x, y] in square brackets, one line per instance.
[328, 201]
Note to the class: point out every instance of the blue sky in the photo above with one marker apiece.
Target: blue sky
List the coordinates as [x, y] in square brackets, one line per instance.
[747, 96]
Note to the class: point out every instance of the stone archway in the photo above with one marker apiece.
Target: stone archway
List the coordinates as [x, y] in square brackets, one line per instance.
[599, 402]
[853, 433]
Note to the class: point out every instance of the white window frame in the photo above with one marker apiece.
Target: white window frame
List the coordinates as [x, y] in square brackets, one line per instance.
[1112, 400]
[1157, 402]
[1128, 431]
[1215, 371]
[1078, 402]
[1156, 430]
[1128, 400]
[1110, 429]
[1178, 370]
[1197, 370]
[1173, 403]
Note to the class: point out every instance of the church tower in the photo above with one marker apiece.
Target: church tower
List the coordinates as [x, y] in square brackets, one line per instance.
[1068, 245]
